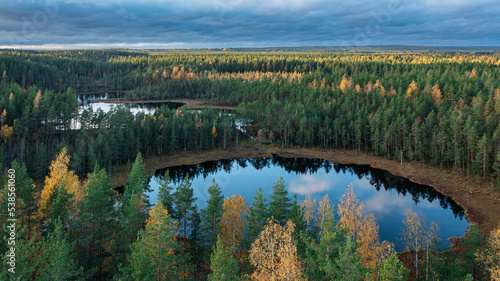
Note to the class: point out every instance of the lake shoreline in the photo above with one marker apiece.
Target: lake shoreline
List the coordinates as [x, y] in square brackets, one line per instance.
[480, 202]
[190, 103]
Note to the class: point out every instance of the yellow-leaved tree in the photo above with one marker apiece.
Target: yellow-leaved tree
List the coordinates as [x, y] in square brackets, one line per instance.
[436, 95]
[344, 84]
[323, 208]
[274, 254]
[490, 255]
[59, 178]
[233, 221]
[363, 228]
[309, 209]
[412, 90]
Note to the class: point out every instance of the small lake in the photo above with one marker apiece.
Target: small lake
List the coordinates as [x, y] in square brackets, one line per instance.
[88, 101]
[385, 195]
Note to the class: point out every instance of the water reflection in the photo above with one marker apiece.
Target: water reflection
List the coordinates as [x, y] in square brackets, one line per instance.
[385, 195]
[88, 101]
[368, 178]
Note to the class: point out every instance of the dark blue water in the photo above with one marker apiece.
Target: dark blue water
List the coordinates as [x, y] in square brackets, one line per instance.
[385, 195]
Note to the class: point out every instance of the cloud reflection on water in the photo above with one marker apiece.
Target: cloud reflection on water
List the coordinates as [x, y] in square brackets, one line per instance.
[310, 184]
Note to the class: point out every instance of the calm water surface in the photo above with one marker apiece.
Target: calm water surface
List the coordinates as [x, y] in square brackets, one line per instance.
[86, 101]
[382, 193]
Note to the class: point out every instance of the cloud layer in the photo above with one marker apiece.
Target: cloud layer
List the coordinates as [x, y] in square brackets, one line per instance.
[245, 23]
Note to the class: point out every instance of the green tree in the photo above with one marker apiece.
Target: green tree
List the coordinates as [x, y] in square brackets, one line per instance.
[24, 255]
[279, 208]
[257, 217]
[392, 269]
[132, 212]
[165, 192]
[26, 191]
[94, 229]
[212, 214]
[155, 254]
[222, 263]
[57, 257]
[184, 205]
[349, 262]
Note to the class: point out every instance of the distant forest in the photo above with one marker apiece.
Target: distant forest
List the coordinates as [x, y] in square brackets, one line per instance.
[439, 108]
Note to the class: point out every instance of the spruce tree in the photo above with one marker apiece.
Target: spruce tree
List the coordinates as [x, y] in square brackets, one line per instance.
[280, 205]
[257, 217]
[211, 215]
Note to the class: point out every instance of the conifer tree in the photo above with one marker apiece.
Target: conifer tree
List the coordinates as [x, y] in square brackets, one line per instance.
[155, 255]
[184, 206]
[133, 211]
[165, 192]
[26, 192]
[222, 263]
[57, 257]
[25, 254]
[96, 224]
[279, 207]
[257, 217]
[212, 215]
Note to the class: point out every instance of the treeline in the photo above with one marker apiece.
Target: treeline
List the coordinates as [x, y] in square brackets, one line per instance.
[84, 230]
[35, 124]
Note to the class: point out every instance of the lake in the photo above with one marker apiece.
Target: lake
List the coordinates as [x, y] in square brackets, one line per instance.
[385, 195]
[87, 101]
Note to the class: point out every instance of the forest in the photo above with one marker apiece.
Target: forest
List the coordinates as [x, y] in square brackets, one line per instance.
[440, 109]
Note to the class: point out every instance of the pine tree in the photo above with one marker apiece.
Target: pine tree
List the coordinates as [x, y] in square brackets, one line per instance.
[349, 262]
[96, 224]
[132, 212]
[26, 192]
[222, 263]
[392, 270]
[212, 215]
[24, 255]
[321, 255]
[184, 206]
[137, 180]
[57, 258]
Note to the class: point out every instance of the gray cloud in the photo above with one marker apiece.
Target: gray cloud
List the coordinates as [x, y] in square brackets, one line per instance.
[237, 23]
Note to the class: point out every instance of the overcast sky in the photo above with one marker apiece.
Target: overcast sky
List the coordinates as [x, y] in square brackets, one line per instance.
[247, 23]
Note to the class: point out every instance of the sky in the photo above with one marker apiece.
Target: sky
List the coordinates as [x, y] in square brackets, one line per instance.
[151, 24]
